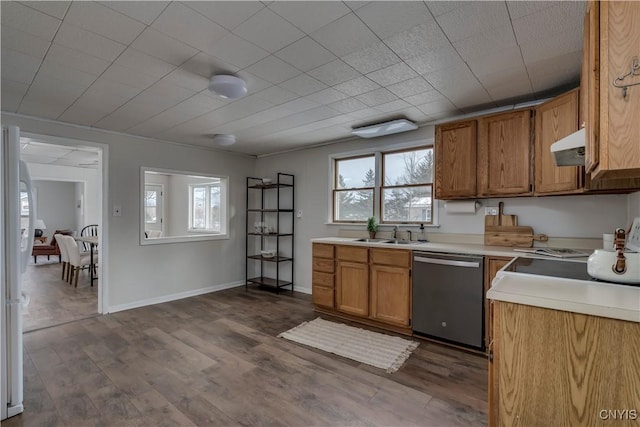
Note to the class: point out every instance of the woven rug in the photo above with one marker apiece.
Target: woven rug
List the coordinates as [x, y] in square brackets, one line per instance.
[375, 349]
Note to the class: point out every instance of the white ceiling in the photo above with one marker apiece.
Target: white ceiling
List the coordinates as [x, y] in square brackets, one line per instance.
[41, 151]
[314, 69]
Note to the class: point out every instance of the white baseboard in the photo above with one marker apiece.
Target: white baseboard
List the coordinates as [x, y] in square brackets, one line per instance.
[302, 290]
[173, 297]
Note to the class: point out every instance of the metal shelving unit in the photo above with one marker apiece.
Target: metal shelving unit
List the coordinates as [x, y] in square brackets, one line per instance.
[283, 217]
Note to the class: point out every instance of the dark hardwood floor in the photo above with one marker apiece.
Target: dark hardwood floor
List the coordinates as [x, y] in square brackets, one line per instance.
[52, 300]
[214, 360]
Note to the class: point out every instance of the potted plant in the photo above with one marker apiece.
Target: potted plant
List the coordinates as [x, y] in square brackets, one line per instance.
[372, 227]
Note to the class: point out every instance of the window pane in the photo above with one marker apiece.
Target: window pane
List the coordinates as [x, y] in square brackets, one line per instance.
[199, 196]
[214, 208]
[411, 204]
[408, 167]
[356, 173]
[353, 205]
[150, 216]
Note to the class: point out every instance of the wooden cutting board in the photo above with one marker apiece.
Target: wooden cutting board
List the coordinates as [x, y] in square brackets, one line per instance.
[514, 236]
[501, 218]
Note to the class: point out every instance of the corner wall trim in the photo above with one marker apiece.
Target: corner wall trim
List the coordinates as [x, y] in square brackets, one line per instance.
[173, 297]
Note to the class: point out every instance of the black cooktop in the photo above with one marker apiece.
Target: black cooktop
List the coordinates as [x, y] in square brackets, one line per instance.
[550, 267]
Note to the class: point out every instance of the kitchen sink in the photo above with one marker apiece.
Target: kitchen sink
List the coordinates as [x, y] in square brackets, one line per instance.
[370, 240]
[392, 241]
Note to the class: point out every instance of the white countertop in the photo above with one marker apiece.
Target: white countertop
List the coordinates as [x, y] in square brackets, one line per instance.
[577, 296]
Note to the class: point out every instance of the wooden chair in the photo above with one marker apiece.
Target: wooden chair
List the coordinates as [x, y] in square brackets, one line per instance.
[76, 260]
[89, 230]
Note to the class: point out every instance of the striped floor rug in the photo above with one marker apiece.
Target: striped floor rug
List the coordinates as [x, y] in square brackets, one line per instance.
[375, 349]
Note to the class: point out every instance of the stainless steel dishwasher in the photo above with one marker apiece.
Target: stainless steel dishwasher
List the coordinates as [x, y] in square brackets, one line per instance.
[448, 297]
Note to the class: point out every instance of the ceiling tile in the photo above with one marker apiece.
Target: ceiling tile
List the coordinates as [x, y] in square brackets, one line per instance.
[254, 83]
[377, 97]
[28, 20]
[129, 77]
[188, 26]
[310, 16]
[392, 74]
[259, 30]
[154, 43]
[334, 73]
[365, 113]
[518, 9]
[12, 93]
[137, 110]
[441, 7]
[385, 18]
[438, 59]
[105, 88]
[237, 51]
[181, 77]
[229, 14]
[57, 71]
[410, 87]
[555, 72]
[479, 45]
[549, 21]
[136, 60]
[273, 70]
[371, 58]
[31, 158]
[18, 66]
[473, 18]
[170, 93]
[357, 86]
[393, 106]
[355, 5]
[549, 47]
[276, 95]
[439, 106]
[206, 66]
[303, 85]
[424, 97]
[508, 84]
[143, 11]
[459, 85]
[104, 21]
[495, 61]
[300, 104]
[89, 109]
[348, 105]
[90, 43]
[17, 40]
[345, 35]
[254, 120]
[46, 150]
[76, 60]
[57, 9]
[417, 40]
[49, 98]
[326, 96]
[305, 54]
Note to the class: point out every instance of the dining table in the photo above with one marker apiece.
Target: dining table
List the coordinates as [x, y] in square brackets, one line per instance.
[92, 241]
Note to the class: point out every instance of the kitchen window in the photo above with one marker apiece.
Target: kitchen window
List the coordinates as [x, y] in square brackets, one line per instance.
[204, 206]
[394, 186]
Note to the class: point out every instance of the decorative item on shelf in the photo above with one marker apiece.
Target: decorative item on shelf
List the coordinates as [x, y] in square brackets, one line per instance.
[266, 181]
[372, 227]
[38, 227]
[268, 253]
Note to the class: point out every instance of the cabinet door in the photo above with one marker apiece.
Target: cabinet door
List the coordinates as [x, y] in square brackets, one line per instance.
[322, 296]
[555, 119]
[352, 288]
[455, 160]
[590, 84]
[491, 267]
[390, 294]
[504, 154]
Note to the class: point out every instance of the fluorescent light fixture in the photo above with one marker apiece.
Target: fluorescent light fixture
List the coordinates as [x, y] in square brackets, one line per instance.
[386, 128]
[224, 140]
[229, 87]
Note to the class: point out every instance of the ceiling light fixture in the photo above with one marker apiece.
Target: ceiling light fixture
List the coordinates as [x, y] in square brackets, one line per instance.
[227, 86]
[386, 128]
[224, 140]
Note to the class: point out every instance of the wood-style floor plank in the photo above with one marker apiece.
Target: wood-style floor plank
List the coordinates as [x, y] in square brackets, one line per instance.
[215, 360]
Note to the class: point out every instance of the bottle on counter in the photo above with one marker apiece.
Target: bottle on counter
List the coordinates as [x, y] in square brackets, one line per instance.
[422, 234]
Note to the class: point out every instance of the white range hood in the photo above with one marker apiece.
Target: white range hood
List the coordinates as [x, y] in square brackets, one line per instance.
[569, 151]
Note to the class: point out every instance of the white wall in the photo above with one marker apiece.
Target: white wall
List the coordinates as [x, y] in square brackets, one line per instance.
[56, 206]
[146, 273]
[566, 216]
[633, 207]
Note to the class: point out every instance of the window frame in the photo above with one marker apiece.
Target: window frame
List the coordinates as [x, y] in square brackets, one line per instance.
[207, 211]
[378, 154]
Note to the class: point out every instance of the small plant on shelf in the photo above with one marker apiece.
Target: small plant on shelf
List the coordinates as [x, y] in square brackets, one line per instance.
[372, 226]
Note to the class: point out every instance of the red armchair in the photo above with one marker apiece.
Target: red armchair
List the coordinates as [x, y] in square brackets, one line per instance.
[51, 248]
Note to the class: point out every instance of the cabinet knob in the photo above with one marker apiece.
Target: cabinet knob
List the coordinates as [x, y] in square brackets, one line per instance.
[583, 125]
[444, 324]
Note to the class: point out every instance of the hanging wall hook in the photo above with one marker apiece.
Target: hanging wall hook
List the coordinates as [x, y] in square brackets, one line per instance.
[634, 71]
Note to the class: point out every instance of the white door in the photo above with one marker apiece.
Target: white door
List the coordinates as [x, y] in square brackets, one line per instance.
[14, 255]
[153, 210]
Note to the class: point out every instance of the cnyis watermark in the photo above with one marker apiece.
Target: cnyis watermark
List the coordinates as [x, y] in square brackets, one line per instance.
[618, 414]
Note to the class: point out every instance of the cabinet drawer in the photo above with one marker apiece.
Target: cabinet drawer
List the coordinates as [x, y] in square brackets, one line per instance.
[394, 257]
[322, 279]
[322, 296]
[323, 264]
[322, 250]
[352, 253]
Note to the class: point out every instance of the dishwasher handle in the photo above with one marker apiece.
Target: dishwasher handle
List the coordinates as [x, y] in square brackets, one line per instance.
[454, 263]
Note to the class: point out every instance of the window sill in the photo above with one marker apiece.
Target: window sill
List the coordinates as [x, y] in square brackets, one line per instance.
[382, 226]
[183, 239]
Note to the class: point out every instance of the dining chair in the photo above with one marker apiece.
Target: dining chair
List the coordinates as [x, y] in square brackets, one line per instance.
[64, 255]
[89, 230]
[76, 260]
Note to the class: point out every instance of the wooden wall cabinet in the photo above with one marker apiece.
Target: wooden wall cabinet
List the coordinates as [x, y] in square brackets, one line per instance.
[504, 154]
[352, 280]
[554, 120]
[391, 286]
[551, 367]
[455, 160]
[612, 39]
[323, 275]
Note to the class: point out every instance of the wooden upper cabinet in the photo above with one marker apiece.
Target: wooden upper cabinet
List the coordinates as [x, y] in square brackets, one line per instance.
[455, 160]
[590, 84]
[554, 120]
[504, 154]
[618, 146]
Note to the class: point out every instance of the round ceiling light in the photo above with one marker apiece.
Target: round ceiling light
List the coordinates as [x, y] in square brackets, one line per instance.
[224, 140]
[227, 86]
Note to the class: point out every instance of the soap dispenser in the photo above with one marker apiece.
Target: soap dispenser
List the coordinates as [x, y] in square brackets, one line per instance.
[422, 235]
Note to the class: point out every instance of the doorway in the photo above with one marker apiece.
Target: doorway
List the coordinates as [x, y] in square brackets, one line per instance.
[69, 178]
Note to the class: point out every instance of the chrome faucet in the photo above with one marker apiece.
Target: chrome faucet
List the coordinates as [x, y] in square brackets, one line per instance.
[395, 231]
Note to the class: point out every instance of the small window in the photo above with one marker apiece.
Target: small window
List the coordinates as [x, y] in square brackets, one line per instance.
[353, 189]
[204, 205]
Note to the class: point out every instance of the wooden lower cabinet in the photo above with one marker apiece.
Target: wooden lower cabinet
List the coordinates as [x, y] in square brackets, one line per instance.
[323, 277]
[391, 294]
[491, 267]
[352, 288]
[550, 367]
